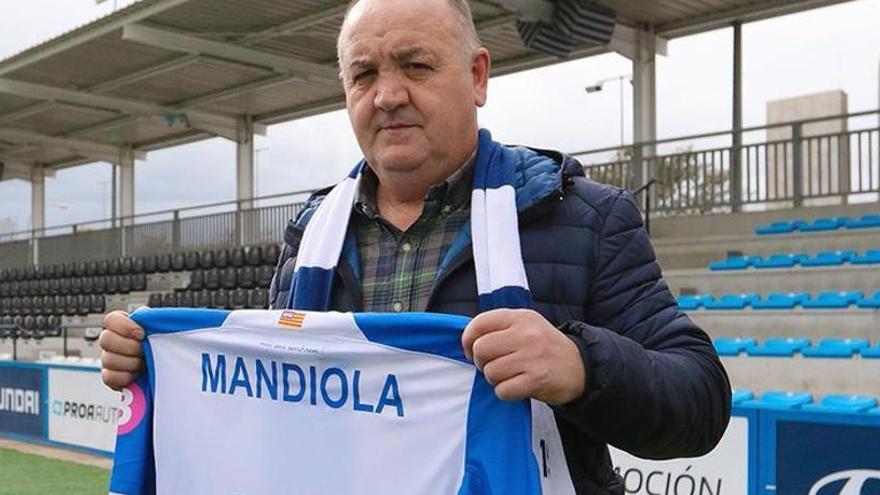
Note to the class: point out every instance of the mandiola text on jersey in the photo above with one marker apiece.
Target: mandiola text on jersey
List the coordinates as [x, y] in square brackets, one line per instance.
[289, 382]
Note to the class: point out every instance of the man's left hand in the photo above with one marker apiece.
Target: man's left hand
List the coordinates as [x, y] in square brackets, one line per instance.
[524, 356]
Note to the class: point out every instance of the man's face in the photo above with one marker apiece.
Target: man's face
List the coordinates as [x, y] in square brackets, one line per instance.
[410, 89]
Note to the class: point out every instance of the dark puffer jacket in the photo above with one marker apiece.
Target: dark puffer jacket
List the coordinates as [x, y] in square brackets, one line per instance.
[655, 386]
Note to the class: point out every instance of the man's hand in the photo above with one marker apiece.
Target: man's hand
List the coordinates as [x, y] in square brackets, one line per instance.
[523, 356]
[122, 358]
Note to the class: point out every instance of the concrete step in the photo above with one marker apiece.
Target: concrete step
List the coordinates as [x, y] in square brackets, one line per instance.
[865, 278]
[815, 323]
[815, 375]
[689, 251]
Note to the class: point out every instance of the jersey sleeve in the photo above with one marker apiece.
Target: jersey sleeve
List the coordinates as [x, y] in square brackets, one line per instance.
[133, 464]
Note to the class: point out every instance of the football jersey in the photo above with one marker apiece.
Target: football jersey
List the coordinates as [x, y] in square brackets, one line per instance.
[259, 402]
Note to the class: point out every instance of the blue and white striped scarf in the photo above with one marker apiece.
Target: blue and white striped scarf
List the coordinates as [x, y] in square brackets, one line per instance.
[501, 277]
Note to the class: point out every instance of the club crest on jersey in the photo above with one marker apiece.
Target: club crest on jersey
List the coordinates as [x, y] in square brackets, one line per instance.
[292, 319]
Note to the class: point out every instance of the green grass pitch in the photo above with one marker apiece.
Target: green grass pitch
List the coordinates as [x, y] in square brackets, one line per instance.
[28, 474]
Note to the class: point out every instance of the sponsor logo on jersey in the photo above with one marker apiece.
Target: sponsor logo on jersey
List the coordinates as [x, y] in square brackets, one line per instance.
[292, 319]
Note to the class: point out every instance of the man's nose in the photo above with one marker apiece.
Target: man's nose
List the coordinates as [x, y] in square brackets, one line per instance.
[391, 93]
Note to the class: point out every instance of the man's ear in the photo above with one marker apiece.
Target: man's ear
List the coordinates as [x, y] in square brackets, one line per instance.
[481, 64]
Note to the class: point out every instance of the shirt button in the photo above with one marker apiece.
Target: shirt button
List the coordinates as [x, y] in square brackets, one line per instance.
[446, 209]
[397, 306]
[406, 247]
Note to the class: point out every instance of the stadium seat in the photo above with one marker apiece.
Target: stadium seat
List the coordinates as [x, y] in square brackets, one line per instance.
[114, 267]
[254, 256]
[99, 303]
[237, 257]
[69, 270]
[838, 403]
[871, 352]
[191, 260]
[258, 298]
[100, 284]
[271, 253]
[124, 284]
[823, 224]
[178, 262]
[239, 298]
[779, 346]
[53, 326]
[229, 278]
[150, 264]
[212, 279]
[246, 277]
[112, 285]
[54, 286]
[84, 305]
[169, 300]
[733, 346]
[864, 222]
[731, 263]
[79, 269]
[196, 280]
[777, 300]
[103, 267]
[27, 304]
[59, 305]
[88, 285]
[221, 258]
[835, 348]
[76, 286]
[139, 282]
[780, 400]
[154, 300]
[91, 268]
[220, 299]
[778, 228]
[203, 299]
[869, 257]
[71, 305]
[185, 299]
[206, 260]
[778, 260]
[739, 396]
[138, 265]
[833, 300]
[828, 258]
[264, 276]
[163, 263]
[731, 301]
[688, 302]
[91, 334]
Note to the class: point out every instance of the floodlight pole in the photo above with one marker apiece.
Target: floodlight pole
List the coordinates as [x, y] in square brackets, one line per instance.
[736, 149]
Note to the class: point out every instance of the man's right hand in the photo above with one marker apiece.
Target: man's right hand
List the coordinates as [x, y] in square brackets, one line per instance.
[122, 358]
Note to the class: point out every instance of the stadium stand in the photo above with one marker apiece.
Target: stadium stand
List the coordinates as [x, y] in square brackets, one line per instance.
[819, 225]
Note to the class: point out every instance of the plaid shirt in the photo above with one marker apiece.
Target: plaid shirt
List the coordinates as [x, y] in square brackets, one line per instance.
[399, 268]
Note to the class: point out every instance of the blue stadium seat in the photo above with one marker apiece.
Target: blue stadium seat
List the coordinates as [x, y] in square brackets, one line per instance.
[779, 300]
[869, 257]
[833, 300]
[871, 352]
[870, 302]
[779, 346]
[865, 222]
[838, 403]
[733, 346]
[732, 263]
[780, 400]
[835, 348]
[779, 228]
[823, 224]
[828, 258]
[731, 301]
[686, 303]
[741, 396]
[778, 260]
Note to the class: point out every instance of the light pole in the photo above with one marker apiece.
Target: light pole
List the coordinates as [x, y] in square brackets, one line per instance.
[598, 86]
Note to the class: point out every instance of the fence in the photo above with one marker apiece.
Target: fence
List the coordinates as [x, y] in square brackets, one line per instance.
[791, 163]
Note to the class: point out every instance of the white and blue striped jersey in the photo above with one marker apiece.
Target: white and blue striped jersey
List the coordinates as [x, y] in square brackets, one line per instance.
[271, 402]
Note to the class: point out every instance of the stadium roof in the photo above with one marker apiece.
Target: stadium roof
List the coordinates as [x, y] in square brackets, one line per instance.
[164, 72]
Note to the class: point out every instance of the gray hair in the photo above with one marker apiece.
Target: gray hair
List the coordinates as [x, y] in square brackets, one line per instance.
[470, 40]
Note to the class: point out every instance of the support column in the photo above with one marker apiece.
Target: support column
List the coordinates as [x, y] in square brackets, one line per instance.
[736, 185]
[38, 210]
[126, 185]
[244, 164]
[644, 105]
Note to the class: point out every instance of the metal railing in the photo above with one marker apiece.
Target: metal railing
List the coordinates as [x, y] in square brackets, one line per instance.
[211, 226]
[793, 162]
[646, 206]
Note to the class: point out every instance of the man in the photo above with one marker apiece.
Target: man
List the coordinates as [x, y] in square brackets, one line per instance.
[605, 345]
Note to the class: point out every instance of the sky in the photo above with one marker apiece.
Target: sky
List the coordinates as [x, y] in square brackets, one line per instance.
[832, 48]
